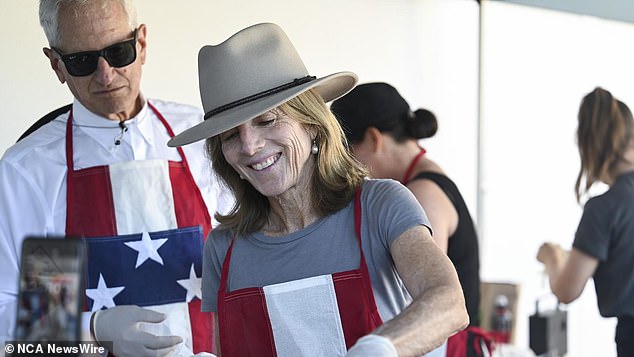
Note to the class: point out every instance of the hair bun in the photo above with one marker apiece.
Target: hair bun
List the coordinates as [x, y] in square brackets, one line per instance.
[423, 124]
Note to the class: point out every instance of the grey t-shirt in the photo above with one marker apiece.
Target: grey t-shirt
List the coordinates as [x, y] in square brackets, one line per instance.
[606, 232]
[327, 246]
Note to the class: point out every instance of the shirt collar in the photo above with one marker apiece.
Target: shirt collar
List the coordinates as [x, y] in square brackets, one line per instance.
[103, 129]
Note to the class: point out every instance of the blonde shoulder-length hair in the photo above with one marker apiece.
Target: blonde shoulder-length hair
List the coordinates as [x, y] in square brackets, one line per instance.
[336, 177]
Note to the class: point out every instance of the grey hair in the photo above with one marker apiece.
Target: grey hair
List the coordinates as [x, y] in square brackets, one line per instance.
[49, 14]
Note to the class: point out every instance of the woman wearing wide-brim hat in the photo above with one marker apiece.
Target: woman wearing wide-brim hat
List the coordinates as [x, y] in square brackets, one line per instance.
[315, 259]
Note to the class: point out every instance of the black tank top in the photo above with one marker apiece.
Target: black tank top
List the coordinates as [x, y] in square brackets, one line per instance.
[462, 246]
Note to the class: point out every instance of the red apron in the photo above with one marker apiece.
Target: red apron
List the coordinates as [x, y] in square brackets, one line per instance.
[317, 316]
[125, 208]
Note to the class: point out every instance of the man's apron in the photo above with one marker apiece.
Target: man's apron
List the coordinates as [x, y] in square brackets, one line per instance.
[318, 316]
[146, 221]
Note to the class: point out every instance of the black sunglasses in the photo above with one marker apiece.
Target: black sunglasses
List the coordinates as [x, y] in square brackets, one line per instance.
[81, 64]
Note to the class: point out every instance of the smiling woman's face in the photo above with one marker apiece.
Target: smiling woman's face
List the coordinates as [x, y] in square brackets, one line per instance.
[270, 151]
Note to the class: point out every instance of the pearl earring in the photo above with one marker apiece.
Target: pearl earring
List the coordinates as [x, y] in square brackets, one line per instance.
[314, 149]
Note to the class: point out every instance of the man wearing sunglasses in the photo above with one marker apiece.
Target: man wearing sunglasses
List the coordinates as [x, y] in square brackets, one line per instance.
[100, 170]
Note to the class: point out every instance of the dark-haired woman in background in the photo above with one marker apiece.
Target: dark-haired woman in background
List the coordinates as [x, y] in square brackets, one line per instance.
[383, 133]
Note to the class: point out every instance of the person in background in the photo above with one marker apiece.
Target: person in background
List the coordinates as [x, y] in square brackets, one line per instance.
[384, 133]
[101, 168]
[315, 259]
[603, 246]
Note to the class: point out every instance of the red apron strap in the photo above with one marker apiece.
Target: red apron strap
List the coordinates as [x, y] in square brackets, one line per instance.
[193, 192]
[169, 131]
[357, 228]
[224, 273]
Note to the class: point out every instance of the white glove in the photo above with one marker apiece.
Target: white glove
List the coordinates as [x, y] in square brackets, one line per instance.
[121, 326]
[372, 346]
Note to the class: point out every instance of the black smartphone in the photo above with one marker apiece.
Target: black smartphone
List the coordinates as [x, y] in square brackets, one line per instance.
[51, 290]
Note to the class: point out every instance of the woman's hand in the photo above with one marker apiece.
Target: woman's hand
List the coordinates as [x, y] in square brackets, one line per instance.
[552, 255]
[568, 271]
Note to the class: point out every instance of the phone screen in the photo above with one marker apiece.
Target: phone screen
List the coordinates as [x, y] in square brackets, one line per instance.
[50, 298]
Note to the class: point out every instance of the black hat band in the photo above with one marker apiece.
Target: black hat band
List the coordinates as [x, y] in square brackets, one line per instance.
[251, 98]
